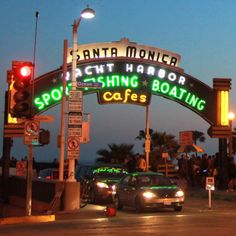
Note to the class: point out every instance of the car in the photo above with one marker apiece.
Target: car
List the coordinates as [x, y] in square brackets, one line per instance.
[101, 180]
[143, 190]
[51, 174]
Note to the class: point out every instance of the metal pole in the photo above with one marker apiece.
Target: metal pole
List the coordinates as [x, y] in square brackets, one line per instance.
[147, 140]
[209, 199]
[6, 152]
[63, 114]
[71, 164]
[29, 181]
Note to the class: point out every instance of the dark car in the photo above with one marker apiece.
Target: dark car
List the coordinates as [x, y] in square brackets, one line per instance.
[101, 180]
[51, 174]
[147, 190]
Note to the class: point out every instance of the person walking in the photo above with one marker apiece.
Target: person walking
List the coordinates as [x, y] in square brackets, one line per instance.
[141, 164]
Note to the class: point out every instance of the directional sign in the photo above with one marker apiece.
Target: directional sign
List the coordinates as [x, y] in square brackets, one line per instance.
[89, 85]
[44, 118]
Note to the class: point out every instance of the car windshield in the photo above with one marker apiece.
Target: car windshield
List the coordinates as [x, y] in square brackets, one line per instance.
[153, 180]
[109, 172]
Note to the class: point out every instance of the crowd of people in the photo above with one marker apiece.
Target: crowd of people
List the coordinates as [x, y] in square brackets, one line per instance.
[194, 169]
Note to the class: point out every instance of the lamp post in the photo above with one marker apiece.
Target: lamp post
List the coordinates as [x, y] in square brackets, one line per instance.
[147, 137]
[231, 117]
[87, 13]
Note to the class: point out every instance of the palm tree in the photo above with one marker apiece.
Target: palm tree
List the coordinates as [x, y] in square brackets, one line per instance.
[116, 153]
[163, 142]
[198, 136]
[160, 142]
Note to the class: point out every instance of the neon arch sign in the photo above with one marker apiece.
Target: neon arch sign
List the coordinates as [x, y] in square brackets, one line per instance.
[129, 81]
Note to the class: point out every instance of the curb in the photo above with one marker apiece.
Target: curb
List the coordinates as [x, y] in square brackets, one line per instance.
[27, 219]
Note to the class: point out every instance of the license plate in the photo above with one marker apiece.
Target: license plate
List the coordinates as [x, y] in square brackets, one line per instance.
[167, 202]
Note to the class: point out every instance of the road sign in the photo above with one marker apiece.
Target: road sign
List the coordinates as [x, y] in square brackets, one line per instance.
[31, 133]
[75, 106]
[44, 118]
[185, 138]
[75, 131]
[73, 147]
[73, 143]
[210, 183]
[75, 95]
[75, 119]
[32, 127]
[89, 85]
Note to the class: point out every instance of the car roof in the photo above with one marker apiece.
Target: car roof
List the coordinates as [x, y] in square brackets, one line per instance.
[146, 173]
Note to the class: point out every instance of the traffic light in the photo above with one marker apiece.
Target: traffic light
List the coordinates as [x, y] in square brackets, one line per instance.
[44, 137]
[20, 104]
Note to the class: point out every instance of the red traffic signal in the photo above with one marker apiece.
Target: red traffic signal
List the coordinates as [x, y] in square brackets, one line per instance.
[25, 71]
[20, 89]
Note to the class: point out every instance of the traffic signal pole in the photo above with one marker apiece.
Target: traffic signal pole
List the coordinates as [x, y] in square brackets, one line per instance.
[29, 181]
[6, 152]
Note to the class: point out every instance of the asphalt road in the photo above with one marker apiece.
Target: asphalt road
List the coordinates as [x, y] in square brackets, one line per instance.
[195, 219]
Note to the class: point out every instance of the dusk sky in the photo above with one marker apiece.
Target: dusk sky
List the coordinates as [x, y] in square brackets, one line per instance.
[202, 32]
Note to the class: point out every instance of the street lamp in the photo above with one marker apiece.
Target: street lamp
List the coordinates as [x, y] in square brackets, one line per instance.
[231, 117]
[87, 13]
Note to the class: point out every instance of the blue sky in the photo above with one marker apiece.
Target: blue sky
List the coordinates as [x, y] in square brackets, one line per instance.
[202, 32]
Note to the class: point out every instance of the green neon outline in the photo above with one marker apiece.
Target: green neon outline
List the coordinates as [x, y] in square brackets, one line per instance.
[158, 86]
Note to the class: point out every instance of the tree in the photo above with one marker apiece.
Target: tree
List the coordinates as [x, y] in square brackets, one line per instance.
[198, 136]
[160, 142]
[163, 142]
[116, 153]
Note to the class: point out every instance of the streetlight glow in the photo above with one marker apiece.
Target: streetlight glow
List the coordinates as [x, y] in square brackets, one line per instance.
[231, 116]
[88, 13]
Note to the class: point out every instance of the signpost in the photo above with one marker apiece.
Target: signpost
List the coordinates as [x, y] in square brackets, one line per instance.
[210, 185]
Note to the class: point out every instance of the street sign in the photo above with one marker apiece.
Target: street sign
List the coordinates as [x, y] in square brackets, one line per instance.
[31, 132]
[89, 85]
[44, 118]
[75, 95]
[73, 143]
[185, 138]
[75, 131]
[75, 106]
[73, 147]
[75, 119]
[210, 183]
[32, 127]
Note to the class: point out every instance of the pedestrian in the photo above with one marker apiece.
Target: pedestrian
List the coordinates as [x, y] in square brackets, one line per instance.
[141, 164]
[232, 175]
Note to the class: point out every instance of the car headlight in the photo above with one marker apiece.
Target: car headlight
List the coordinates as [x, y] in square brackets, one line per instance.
[180, 193]
[149, 195]
[102, 185]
